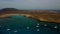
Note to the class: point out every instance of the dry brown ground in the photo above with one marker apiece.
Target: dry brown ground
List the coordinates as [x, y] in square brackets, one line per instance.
[43, 15]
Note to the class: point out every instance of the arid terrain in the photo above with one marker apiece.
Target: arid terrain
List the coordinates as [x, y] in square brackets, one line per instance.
[43, 15]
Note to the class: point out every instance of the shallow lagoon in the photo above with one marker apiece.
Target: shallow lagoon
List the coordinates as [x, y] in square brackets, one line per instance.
[19, 24]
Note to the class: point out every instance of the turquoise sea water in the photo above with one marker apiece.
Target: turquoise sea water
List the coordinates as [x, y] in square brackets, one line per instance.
[19, 24]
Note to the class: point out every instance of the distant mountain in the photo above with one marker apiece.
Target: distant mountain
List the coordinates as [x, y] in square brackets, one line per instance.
[14, 9]
[9, 9]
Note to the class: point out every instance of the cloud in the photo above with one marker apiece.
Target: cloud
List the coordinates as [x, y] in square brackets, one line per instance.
[6, 0]
[30, 4]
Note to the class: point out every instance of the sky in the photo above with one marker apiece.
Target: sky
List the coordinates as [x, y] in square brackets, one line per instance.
[30, 4]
